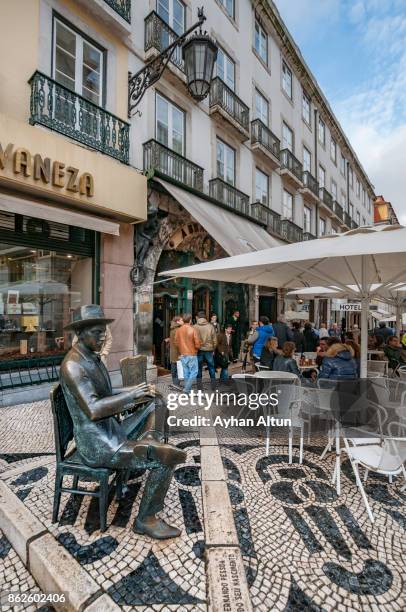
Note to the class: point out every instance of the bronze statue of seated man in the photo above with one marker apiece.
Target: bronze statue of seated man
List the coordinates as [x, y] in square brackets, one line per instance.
[101, 439]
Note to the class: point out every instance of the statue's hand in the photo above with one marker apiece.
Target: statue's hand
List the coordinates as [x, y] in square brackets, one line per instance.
[140, 390]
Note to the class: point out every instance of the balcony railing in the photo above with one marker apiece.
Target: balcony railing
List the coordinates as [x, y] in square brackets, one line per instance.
[158, 35]
[354, 224]
[65, 111]
[347, 219]
[326, 198]
[159, 157]
[122, 7]
[229, 195]
[265, 215]
[338, 209]
[221, 95]
[310, 182]
[308, 236]
[261, 134]
[291, 163]
[290, 231]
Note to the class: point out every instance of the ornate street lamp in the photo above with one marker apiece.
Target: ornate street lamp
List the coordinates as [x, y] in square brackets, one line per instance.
[199, 54]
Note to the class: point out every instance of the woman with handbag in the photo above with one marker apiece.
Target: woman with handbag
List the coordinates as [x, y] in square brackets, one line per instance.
[224, 351]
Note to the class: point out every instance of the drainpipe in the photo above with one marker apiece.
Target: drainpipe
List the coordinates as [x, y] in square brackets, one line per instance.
[315, 167]
[348, 187]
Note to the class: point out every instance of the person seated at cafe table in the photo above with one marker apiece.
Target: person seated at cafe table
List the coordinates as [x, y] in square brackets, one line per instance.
[269, 352]
[395, 352]
[339, 363]
[325, 344]
[285, 362]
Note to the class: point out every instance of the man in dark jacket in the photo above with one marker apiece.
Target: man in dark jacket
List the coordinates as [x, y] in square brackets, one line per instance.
[282, 331]
[224, 351]
[208, 339]
[383, 331]
[235, 323]
[297, 337]
[101, 440]
[261, 335]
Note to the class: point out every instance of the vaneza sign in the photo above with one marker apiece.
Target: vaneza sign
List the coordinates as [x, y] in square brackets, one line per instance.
[351, 307]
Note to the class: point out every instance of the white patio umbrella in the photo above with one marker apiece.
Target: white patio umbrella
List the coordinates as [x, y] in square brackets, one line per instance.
[363, 257]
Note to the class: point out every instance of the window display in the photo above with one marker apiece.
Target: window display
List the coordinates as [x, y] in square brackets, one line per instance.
[38, 290]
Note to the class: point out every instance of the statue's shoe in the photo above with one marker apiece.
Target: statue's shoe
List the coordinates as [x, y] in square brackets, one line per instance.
[159, 529]
[167, 454]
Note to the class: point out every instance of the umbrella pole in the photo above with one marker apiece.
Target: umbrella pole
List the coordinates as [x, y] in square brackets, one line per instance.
[364, 318]
[398, 318]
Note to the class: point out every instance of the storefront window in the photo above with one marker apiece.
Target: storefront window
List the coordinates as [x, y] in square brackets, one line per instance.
[38, 290]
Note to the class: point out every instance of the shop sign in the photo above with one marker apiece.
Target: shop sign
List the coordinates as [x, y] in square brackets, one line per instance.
[42, 169]
[349, 307]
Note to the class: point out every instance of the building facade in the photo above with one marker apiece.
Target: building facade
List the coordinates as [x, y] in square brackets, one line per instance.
[264, 147]
[69, 196]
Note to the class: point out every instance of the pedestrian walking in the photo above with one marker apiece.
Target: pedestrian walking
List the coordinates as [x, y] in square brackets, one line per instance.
[176, 322]
[236, 337]
[188, 343]
[383, 331]
[356, 333]
[310, 339]
[298, 337]
[263, 332]
[224, 351]
[334, 330]
[214, 321]
[247, 348]
[282, 331]
[208, 343]
[323, 333]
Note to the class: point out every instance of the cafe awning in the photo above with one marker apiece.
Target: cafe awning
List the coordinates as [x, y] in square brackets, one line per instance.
[236, 234]
[32, 208]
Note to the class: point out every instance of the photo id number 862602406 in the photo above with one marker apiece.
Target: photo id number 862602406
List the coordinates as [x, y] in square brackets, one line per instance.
[12, 600]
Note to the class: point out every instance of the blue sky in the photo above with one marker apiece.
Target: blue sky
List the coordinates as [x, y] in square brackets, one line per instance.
[357, 51]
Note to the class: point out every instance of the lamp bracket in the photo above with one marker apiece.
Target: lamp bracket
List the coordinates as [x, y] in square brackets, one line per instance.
[139, 82]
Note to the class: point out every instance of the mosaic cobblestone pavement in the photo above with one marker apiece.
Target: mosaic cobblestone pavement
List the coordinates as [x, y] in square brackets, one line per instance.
[14, 577]
[303, 547]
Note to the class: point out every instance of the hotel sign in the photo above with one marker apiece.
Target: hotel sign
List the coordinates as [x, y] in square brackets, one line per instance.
[41, 169]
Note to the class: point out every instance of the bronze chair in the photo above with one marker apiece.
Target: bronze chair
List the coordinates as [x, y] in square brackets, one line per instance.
[133, 370]
[70, 463]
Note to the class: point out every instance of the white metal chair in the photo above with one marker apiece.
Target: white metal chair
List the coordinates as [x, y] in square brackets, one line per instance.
[287, 386]
[261, 368]
[374, 368]
[402, 373]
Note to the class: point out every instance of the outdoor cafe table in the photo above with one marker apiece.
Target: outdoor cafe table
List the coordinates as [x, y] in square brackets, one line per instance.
[375, 352]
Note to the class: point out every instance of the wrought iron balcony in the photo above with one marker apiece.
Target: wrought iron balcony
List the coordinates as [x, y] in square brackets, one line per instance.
[265, 215]
[308, 236]
[347, 219]
[261, 136]
[290, 231]
[326, 198]
[65, 111]
[223, 99]
[292, 164]
[122, 7]
[310, 183]
[338, 209]
[158, 35]
[229, 195]
[159, 157]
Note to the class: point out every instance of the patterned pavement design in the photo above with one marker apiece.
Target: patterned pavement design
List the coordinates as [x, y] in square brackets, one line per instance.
[303, 547]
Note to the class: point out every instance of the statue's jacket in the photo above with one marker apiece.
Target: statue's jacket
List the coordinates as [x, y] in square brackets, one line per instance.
[84, 380]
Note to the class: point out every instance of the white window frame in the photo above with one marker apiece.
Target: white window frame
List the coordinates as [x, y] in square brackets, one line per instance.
[261, 175]
[333, 148]
[225, 4]
[289, 130]
[351, 177]
[307, 156]
[322, 224]
[171, 15]
[321, 131]
[262, 37]
[364, 193]
[343, 200]
[227, 61]
[287, 197]
[264, 104]
[342, 165]
[358, 187]
[171, 108]
[334, 191]
[321, 173]
[305, 98]
[228, 154]
[287, 73]
[307, 219]
[80, 40]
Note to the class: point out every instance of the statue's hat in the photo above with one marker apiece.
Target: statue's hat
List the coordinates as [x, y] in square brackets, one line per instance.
[84, 316]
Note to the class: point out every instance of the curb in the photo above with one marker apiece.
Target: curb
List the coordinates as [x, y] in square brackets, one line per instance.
[50, 564]
[228, 589]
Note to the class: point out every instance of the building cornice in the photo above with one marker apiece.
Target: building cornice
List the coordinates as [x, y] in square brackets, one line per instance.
[267, 10]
